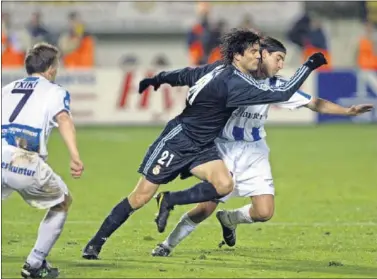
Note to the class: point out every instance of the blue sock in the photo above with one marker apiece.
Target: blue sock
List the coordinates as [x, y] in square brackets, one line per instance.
[201, 192]
[116, 218]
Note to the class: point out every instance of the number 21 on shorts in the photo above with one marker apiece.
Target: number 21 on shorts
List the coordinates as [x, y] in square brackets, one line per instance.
[165, 155]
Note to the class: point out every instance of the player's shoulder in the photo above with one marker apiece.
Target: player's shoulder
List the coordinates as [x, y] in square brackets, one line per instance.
[8, 86]
[222, 77]
[237, 79]
[237, 75]
[58, 88]
[214, 69]
[213, 66]
[228, 73]
[53, 87]
[49, 84]
[13, 83]
[54, 92]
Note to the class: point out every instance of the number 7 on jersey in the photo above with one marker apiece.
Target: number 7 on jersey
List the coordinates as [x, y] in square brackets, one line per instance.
[27, 93]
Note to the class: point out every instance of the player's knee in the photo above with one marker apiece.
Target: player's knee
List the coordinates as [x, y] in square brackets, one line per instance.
[263, 214]
[224, 186]
[142, 193]
[138, 200]
[68, 201]
[65, 205]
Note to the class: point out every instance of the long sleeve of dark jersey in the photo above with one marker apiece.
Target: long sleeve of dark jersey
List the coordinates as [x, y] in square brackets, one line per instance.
[243, 90]
[186, 76]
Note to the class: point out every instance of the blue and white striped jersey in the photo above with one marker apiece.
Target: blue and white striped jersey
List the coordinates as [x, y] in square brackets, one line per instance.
[247, 123]
[29, 107]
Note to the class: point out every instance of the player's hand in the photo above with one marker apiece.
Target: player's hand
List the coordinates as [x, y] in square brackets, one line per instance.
[148, 82]
[315, 61]
[77, 167]
[359, 109]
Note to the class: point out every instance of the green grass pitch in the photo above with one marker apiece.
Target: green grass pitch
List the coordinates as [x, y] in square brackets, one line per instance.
[324, 225]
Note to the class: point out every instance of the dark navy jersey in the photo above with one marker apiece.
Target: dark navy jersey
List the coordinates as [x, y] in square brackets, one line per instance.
[216, 90]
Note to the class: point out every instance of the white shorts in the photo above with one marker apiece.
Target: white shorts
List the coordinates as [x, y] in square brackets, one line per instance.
[249, 163]
[26, 173]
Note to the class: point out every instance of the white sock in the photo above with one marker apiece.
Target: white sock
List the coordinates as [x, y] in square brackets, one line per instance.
[240, 215]
[184, 227]
[49, 231]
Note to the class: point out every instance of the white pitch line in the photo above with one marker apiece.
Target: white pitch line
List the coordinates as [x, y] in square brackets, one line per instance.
[274, 224]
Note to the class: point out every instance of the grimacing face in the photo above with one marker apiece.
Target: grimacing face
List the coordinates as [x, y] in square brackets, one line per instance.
[273, 62]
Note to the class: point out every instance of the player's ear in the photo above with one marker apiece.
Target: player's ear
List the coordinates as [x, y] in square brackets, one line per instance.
[264, 53]
[52, 71]
[237, 56]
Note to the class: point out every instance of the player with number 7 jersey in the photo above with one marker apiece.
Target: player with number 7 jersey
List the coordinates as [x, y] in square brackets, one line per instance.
[186, 146]
[28, 115]
[31, 108]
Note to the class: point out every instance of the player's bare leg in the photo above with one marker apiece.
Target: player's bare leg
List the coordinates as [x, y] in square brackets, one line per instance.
[216, 182]
[202, 211]
[141, 195]
[187, 224]
[261, 209]
[50, 229]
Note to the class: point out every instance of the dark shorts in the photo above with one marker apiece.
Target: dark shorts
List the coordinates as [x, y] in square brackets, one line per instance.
[174, 154]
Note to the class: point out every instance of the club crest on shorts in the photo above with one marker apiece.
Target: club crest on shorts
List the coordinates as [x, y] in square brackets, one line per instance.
[156, 170]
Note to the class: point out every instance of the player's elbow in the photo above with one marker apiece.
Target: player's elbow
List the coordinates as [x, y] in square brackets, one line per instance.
[63, 117]
[316, 104]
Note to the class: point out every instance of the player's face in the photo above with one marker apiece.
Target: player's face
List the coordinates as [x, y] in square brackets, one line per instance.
[249, 61]
[273, 62]
[251, 58]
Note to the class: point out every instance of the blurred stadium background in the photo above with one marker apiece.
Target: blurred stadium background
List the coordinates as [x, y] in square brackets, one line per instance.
[325, 176]
[109, 46]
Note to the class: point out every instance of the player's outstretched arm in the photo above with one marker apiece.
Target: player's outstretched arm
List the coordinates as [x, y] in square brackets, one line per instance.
[327, 107]
[182, 77]
[68, 133]
[245, 90]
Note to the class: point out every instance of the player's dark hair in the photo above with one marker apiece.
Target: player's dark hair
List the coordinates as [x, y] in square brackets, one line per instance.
[236, 42]
[272, 45]
[40, 58]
